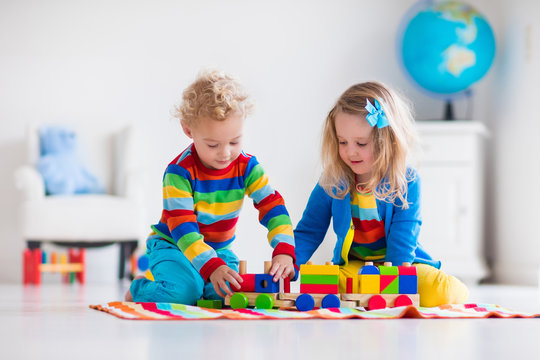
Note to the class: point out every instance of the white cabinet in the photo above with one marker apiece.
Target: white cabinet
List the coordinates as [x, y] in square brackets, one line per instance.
[451, 165]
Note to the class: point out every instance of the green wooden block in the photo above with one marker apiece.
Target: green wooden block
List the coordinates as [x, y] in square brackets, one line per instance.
[210, 304]
[389, 270]
[389, 284]
[320, 279]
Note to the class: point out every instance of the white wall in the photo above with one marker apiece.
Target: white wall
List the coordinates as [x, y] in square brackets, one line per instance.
[514, 164]
[106, 63]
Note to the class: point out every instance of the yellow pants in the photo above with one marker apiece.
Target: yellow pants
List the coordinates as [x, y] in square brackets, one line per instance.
[434, 286]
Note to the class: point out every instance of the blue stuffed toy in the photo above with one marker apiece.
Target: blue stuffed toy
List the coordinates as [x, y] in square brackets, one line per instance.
[62, 170]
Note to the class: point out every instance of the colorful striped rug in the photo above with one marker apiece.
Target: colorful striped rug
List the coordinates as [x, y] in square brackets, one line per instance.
[168, 311]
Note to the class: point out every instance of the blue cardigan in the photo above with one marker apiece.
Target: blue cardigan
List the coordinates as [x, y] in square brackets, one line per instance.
[401, 227]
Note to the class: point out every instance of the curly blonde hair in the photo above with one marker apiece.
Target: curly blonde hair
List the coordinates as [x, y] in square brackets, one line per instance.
[214, 95]
[389, 175]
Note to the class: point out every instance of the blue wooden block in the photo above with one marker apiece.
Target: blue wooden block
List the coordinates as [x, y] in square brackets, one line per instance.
[264, 283]
[369, 270]
[408, 284]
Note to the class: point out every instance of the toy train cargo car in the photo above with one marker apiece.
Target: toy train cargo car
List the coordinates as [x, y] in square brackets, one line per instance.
[374, 287]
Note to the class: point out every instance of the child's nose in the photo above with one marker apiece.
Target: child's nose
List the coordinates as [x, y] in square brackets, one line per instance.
[225, 151]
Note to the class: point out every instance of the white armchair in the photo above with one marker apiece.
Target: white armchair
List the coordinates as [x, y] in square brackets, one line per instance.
[88, 220]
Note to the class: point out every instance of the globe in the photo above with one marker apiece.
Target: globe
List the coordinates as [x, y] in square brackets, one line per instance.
[446, 47]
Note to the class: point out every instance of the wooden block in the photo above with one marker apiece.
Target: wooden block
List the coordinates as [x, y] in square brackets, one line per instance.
[284, 303]
[247, 285]
[369, 284]
[348, 304]
[319, 269]
[264, 283]
[389, 284]
[319, 289]
[267, 266]
[389, 270]
[349, 289]
[210, 304]
[408, 284]
[369, 270]
[407, 270]
[242, 267]
[286, 285]
[319, 279]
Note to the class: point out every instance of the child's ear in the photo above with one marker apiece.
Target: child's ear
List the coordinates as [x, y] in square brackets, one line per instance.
[187, 130]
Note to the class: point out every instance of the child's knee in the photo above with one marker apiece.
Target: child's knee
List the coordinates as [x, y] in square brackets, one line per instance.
[438, 288]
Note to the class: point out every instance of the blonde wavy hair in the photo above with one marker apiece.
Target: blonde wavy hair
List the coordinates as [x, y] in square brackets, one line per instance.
[389, 176]
[213, 95]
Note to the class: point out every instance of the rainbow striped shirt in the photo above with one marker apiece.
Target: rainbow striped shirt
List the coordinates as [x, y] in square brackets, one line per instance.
[369, 242]
[201, 208]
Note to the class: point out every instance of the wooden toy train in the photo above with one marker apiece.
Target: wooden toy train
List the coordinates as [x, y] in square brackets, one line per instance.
[374, 287]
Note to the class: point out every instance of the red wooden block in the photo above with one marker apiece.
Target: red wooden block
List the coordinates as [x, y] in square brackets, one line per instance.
[319, 289]
[287, 285]
[387, 280]
[248, 285]
[349, 285]
[407, 270]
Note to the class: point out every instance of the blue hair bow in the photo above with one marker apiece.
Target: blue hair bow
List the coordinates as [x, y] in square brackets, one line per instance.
[376, 116]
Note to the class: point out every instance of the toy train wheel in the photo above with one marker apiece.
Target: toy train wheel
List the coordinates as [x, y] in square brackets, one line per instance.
[376, 302]
[305, 302]
[403, 300]
[330, 301]
[239, 301]
[264, 301]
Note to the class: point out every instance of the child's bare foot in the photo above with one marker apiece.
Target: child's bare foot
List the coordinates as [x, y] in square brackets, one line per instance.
[129, 297]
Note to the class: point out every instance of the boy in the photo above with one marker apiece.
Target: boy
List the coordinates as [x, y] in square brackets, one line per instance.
[203, 192]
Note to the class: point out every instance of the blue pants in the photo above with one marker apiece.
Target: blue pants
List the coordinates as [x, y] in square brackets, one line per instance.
[176, 280]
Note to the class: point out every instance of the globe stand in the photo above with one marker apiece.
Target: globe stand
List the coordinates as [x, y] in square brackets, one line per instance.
[449, 111]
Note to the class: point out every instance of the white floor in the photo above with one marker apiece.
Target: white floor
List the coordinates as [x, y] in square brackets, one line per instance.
[53, 321]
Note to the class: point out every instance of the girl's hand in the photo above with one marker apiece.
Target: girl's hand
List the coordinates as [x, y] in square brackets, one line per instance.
[219, 277]
[282, 266]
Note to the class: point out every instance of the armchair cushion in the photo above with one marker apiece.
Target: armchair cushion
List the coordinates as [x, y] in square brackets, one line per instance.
[62, 170]
[82, 218]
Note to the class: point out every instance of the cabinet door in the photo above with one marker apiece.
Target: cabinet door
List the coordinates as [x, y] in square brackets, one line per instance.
[448, 226]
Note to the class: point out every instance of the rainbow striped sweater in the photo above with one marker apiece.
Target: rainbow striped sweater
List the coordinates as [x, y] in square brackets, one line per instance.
[201, 208]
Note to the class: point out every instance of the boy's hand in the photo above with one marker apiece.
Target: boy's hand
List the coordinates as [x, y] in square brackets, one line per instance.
[282, 266]
[222, 274]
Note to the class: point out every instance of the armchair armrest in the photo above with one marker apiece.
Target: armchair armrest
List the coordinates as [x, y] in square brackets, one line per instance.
[30, 182]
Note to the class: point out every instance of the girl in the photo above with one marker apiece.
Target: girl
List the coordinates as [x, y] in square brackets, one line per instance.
[371, 194]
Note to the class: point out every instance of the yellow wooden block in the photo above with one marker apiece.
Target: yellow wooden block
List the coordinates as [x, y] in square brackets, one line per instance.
[319, 269]
[369, 284]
